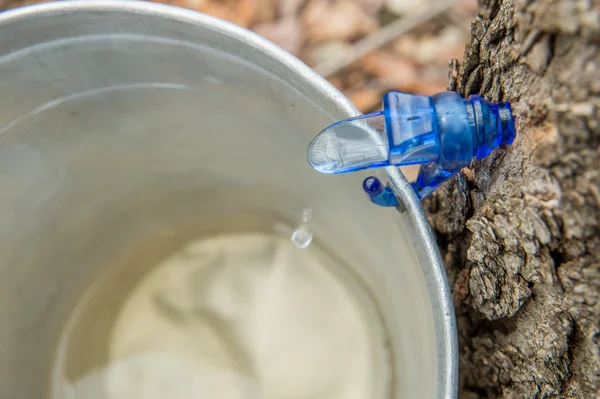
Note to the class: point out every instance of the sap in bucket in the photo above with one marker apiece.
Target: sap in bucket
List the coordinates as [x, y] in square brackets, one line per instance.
[149, 157]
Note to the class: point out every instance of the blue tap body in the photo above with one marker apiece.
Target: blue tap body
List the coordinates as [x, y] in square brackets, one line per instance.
[442, 133]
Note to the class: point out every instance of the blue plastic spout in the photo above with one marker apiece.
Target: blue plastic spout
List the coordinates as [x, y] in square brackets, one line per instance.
[443, 133]
[378, 193]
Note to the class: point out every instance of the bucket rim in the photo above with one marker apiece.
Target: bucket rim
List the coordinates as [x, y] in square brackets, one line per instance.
[436, 279]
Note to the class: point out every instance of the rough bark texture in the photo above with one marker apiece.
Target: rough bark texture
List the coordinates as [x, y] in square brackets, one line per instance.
[519, 231]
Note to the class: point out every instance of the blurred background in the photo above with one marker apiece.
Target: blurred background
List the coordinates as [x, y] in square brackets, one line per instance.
[363, 47]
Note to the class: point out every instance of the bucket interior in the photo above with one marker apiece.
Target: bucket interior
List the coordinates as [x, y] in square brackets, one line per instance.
[124, 135]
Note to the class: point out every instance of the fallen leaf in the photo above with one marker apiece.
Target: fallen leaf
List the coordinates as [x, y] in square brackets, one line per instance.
[372, 7]
[356, 79]
[410, 172]
[338, 82]
[425, 87]
[264, 11]
[406, 45]
[8, 4]
[468, 8]
[394, 70]
[287, 34]
[244, 12]
[365, 99]
[341, 20]
[239, 12]
[326, 50]
[448, 43]
[404, 7]
[290, 8]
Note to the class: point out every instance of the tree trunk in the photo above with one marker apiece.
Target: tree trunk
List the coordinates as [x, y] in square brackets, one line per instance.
[519, 230]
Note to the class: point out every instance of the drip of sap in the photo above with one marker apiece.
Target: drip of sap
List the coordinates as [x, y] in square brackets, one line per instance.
[303, 235]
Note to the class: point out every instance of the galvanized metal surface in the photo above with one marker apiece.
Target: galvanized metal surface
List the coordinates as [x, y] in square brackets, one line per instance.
[39, 24]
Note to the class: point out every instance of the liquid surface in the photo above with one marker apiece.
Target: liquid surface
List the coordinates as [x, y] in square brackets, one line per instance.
[237, 316]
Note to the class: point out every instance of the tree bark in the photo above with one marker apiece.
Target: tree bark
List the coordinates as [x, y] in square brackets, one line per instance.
[519, 230]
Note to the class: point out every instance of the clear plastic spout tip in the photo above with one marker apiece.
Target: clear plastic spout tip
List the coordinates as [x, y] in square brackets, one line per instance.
[350, 145]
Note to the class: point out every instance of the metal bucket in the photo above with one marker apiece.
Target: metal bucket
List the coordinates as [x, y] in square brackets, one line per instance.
[121, 120]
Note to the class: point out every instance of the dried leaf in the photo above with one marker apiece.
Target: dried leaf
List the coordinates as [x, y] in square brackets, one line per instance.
[264, 11]
[425, 87]
[447, 44]
[356, 79]
[404, 7]
[394, 70]
[372, 7]
[338, 82]
[287, 34]
[342, 20]
[240, 12]
[326, 50]
[467, 8]
[410, 172]
[290, 8]
[365, 100]
[244, 12]
[8, 4]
